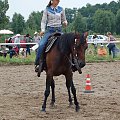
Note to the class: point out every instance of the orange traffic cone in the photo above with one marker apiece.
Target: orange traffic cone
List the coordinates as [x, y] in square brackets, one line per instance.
[88, 85]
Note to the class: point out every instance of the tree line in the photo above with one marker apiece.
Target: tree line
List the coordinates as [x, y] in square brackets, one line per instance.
[99, 18]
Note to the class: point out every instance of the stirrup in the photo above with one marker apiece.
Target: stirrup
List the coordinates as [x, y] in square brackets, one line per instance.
[36, 68]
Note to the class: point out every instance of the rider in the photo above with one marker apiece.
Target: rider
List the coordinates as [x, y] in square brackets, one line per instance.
[52, 20]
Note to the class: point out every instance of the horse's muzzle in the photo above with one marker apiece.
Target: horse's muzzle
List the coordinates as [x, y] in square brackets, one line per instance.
[82, 64]
[79, 64]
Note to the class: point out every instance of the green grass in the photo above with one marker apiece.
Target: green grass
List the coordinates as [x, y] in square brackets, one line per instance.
[18, 60]
[90, 57]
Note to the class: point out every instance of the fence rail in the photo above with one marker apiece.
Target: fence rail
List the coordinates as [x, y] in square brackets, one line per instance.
[104, 42]
[37, 43]
[18, 43]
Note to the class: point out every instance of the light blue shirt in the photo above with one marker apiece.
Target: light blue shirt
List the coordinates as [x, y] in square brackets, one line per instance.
[53, 17]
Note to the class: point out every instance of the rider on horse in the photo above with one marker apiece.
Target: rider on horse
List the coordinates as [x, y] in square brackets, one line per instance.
[53, 18]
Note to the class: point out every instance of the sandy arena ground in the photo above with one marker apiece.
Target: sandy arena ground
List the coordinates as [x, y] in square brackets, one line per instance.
[21, 94]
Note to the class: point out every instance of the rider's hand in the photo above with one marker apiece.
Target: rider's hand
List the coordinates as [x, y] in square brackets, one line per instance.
[65, 23]
[42, 33]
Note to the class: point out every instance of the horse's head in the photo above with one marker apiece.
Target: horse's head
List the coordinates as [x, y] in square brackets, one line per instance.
[78, 50]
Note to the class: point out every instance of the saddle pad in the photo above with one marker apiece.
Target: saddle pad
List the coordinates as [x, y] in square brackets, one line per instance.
[50, 43]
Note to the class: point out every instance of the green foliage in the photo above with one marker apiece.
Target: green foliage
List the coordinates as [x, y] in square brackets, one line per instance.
[79, 23]
[4, 6]
[118, 22]
[18, 23]
[33, 21]
[70, 14]
[28, 31]
[104, 21]
[98, 18]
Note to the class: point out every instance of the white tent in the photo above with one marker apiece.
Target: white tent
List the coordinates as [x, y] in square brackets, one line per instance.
[6, 32]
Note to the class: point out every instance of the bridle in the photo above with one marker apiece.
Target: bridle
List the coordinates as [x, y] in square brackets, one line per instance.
[78, 41]
[75, 53]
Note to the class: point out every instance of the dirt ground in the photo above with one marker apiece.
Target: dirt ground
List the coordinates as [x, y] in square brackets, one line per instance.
[21, 94]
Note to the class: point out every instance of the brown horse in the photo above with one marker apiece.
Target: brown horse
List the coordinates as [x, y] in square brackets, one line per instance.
[59, 62]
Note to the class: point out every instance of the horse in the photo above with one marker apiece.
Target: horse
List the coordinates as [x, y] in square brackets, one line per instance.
[67, 48]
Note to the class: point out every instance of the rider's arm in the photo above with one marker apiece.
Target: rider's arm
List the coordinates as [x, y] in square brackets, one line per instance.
[63, 18]
[44, 20]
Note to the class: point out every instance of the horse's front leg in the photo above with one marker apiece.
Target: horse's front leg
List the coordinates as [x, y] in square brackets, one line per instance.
[53, 92]
[69, 83]
[73, 89]
[47, 92]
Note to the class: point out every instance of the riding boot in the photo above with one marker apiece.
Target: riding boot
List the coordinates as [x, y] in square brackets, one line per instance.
[40, 68]
[38, 64]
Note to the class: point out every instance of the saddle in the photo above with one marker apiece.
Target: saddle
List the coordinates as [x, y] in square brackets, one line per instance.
[51, 41]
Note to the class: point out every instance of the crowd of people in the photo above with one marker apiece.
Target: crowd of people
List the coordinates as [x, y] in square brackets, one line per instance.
[16, 50]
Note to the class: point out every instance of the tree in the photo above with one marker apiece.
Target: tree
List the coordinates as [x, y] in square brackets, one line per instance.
[33, 21]
[118, 22]
[4, 6]
[113, 6]
[70, 14]
[18, 23]
[79, 23]
[104, 21]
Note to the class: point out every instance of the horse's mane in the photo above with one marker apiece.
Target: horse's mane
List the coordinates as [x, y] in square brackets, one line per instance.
[65, 41]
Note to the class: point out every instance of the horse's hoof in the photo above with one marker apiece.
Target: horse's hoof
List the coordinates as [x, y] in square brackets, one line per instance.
[52, 104]
[77, 108]
[43, 110]
[71, 103]
[38, 74]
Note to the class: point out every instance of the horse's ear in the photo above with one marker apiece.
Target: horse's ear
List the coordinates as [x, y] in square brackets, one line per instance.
[85, 35]
[77, 34]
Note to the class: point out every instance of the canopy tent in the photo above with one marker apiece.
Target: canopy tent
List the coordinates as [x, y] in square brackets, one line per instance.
[6, 32]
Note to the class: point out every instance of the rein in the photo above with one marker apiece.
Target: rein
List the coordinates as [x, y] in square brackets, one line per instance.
[74, 57]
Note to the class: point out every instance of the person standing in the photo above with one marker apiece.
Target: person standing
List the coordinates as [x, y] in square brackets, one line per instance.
[17, 40]
[10, 46]
[36, 37]
[52, 19]
[111, 46]
[95, 38]
[28, 46]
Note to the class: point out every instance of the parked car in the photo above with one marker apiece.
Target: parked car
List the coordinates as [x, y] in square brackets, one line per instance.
[99, 38]
[22, 40]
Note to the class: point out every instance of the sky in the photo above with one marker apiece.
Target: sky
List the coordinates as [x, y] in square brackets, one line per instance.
[26, 7]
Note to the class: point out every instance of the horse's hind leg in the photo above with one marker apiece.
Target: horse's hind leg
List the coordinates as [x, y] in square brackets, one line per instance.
[75, 97]
[47, 92]
[53, 93]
